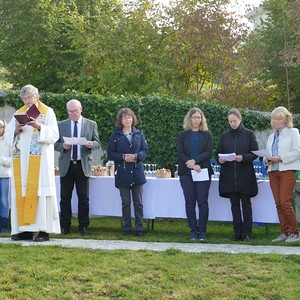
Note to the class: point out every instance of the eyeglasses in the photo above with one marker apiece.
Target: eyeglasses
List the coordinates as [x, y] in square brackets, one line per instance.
[74, 111]
[28, 97]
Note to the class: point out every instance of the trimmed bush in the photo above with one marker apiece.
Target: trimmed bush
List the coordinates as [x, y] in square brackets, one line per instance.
[159, 117]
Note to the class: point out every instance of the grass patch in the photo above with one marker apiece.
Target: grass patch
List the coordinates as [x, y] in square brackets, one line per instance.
[169, 230]
[53, 272]
[61, 273]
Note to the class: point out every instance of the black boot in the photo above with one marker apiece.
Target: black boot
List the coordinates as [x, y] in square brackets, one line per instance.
[42, 237]
[22, 236]
[237, 237]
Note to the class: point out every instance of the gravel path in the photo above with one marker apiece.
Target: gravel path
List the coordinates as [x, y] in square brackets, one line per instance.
[153, 246]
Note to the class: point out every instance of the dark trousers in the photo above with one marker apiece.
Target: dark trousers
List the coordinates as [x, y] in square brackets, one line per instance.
[241, 226]
[196, 191]
[137, 193]
[75, 176]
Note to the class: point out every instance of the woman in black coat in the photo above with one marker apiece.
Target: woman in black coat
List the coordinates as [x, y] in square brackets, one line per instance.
[237, 178]
[194, 149]
[128, 149]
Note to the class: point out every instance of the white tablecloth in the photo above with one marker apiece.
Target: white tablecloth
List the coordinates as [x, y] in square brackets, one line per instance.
[163, 198]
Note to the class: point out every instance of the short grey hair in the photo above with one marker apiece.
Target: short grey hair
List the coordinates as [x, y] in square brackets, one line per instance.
[29, 89]
[74, 101]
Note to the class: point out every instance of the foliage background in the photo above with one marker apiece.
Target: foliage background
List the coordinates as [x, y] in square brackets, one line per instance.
[140, 47]
[158, 60]
[159, 117]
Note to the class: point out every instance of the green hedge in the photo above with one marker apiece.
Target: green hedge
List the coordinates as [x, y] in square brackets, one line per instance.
[159, 117]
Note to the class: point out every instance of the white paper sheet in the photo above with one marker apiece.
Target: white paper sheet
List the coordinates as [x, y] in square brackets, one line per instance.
[75, 140]
[262, 153]
[201, 176]
[227, 156]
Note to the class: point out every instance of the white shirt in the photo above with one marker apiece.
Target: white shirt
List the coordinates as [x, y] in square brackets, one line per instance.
[79, 125]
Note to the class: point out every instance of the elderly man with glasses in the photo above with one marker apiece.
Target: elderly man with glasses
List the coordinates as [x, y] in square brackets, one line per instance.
[75, 165]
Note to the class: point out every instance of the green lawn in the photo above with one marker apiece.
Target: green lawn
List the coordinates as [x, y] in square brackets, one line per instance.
[52, 272]
[171, 230]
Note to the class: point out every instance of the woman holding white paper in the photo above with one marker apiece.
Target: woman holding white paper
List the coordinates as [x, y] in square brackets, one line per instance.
[237, 177]
[194, 149]
[284, 145]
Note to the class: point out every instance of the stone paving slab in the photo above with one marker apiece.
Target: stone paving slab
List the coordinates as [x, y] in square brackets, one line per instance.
[157, 246]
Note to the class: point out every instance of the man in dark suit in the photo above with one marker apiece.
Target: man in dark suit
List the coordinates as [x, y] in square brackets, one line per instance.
[75, 165]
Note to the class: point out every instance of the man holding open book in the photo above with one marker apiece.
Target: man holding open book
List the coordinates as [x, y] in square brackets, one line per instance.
[33, 193]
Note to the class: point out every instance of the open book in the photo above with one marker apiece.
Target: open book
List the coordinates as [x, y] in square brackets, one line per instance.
[24, 117]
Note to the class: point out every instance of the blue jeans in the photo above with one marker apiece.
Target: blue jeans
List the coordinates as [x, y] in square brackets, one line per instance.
[196, 192]
[4, 182]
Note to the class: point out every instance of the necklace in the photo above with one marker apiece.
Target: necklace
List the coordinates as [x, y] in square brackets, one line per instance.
[127, 132]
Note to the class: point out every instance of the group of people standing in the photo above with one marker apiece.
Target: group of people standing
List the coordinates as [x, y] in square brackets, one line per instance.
[27, 155]
[237, 179]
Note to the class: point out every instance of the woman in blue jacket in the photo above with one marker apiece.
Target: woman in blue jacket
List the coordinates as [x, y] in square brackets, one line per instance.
[128, 149]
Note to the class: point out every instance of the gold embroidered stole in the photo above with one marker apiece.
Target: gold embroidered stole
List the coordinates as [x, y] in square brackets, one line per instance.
[27, 206]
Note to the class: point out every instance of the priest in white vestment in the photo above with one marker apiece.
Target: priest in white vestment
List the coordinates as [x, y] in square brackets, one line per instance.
[33, 194]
